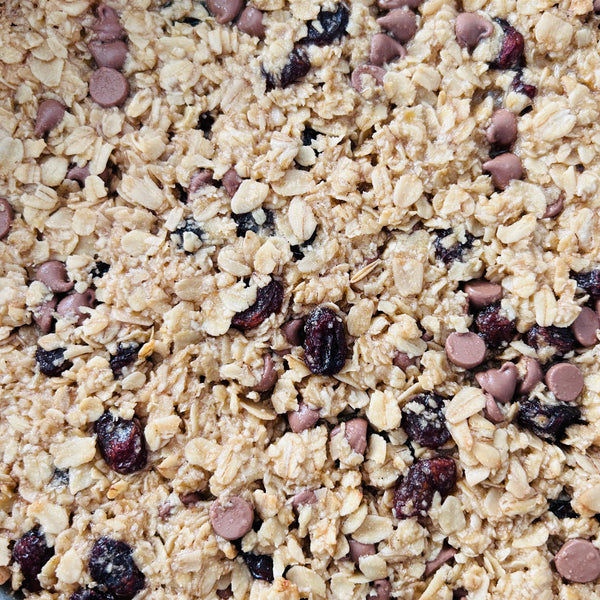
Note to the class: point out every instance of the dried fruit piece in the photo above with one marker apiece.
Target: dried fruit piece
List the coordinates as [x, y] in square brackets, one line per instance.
[448, 254]
[259, 565]
[324, 341]
[523, 88]
[205, 123]
[52, 362]
[246, 222]
[126, 355]
[414, 493]
[31, 553]
[589, 282]
[559, 338]
[547, 421]
[423, 420]
[268, 301]
[512, 51]
[111, 565]
[121, 443]
[91, 594]
[561, 507]
[332, 26]
[182, 236]
[494, 327]
[297, 67]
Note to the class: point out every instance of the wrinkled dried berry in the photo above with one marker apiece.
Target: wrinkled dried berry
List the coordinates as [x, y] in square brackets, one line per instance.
[298, 249]
[324, 341]
[60, 478]
[91, 594]
[496, 329]
[52, 362]
[121, 443]
[560, 338]
[547, 421]
[512, 51]
[455, 252]
[589, 282]
[205, 123]
[31, 553]
[523, 88]
[259, 565]
[112, 566]
[125, 356]
[333, 26]
[189, 226]
[246, 222]
[100, 269]
[268, 301]
[426, 422]
[190, 21]
[297, 67]
[309, 135]
[414, 493]
[561, 507]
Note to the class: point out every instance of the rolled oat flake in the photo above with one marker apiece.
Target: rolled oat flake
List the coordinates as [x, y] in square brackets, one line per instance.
[466, 350]
[565, 381]
[108, 87]
[578, 561]
[231, 518]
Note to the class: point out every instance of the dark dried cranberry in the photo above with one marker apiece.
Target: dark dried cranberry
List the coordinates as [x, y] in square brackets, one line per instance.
[428, 424]
[100, 269]
[246, 222]
[259, 565]
[333, 26]
[297, 67]
[496, 329]
[560, 338]
[60, 478]
[91, 594]
[298, 249]
[268, 301]
[547, 421]
[588, 282]
[226, 593]
[523, 88]
[112, 566]
[31, 553]
[181, 193]
[191, 21]
[52, 362]
[205, 123]
[414, 493]
[512, 51]
[271, 82]
[309, 135]
[126, 355]
[455, 252]
[561, 507]
[121, 443]
[187, 226]
[324, 341]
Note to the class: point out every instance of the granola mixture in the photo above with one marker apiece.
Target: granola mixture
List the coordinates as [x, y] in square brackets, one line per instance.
[299, 299]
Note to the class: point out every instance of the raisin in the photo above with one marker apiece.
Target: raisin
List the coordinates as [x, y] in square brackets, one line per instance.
[324, 341]
[205, 123]
[60, 478]
[246, 222]
[112, 566]
[126, 354]
[121, 443]
[268, 301]
[512, 51]
[588, 282]
[31, 553]
[561, 507]
[333, 26]
[454, 252]
[52, 362]
[187, 226]
[100, 269]
[426, 425]
[547, 421]
[496, 329]
[298, 249]
[182, 193]
[259, 565]
[309, 135]
[559, 338]
[414, 493]
[297, 67]
[523, 88]
[91, 594]
[226, 593]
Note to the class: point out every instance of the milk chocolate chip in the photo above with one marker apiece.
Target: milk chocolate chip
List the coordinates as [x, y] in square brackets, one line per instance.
[385, 49]
[108, 87]
[389, 4]
[304, 497]
[533, 375]
[465, 350]
[585, 327]
[503, 169]
[303, 418]
[225, 11]
[357, 550]
[470, 29]
[293, 331]
[109, 54]
[53, 274]
[578, 561]
[377, 73]
[108, 27]
[44, 313]
[269, 375]
[49, 115]
[7, 216]
[492, 410]
[554, 209]
[443, 557]
[401, 23]
[251, 22]
[70, 306]
[482, 293]
[500, 383]
[356, 434]
[231, 518]
[382, 589]
[231, 181]
[565, 381]
[503, 128]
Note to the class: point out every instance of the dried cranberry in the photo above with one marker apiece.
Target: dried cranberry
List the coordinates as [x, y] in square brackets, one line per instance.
[427, 425]
[31, 553]
[52, 362]
[309, 135]
[324, 341]
[268, 301]
[414, 493]
[259, 565]
[91, 594]
[333, 26]
[126, 354]
[455, 252]
[121, 443]
[513, 47]
[226, 593]
[298, 249]
[547, 421]
[297, 67]
[560, 338]
[246, 222]
[523, 88]
[100, 269]
[588, 282]
[205, 123]
[561, 507]
[187, 226]
[112, 566]
[496, 329]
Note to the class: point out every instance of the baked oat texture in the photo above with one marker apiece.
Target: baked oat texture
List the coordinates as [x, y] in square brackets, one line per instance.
[379, 175]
